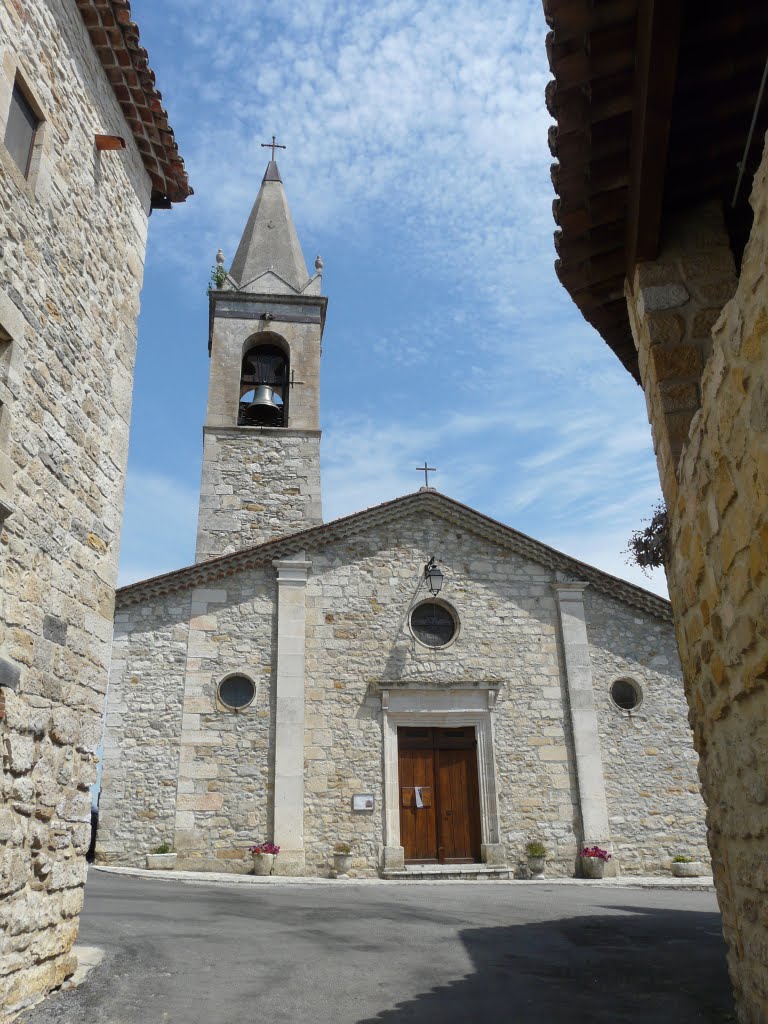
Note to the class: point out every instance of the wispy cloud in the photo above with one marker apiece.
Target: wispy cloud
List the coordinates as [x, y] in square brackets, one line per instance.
[418, 165]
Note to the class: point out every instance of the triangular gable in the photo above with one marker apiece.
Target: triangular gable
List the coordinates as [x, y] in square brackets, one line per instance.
[430, 502]
[270, 282]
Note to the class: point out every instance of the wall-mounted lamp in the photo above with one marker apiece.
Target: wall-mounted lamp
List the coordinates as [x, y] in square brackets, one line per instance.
[433, 576]
[104, 142]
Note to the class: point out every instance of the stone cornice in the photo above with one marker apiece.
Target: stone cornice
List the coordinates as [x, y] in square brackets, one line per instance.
[431, 503]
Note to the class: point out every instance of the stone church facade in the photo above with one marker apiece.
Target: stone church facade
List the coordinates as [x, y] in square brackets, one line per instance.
[302, 682]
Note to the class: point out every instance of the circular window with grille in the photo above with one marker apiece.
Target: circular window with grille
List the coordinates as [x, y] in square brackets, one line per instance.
[236, 692]
[626, 694]
[434, 624]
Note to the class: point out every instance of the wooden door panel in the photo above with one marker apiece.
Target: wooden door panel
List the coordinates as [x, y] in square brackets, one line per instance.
[418, 825]
[442, 764]
[459, 820]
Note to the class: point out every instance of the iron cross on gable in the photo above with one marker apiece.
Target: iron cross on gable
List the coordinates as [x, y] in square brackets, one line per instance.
[426, 470]
[272, 145]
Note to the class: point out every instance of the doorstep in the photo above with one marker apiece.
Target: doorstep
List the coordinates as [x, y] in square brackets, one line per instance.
[447, 872]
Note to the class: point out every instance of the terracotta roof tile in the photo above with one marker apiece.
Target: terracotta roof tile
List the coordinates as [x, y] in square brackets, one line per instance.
[115, 38]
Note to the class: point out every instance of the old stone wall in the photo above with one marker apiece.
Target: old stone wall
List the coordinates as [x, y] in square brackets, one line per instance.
[717, 498]
[359, 595]
[654, 801]
[142, 735]
[226, 766]
[71, 263]
[258, 483]
[178, 766]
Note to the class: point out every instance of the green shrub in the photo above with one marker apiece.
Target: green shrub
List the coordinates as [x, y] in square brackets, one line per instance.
[682, 859]
[536, 849]
[344, 848]
[162, 848]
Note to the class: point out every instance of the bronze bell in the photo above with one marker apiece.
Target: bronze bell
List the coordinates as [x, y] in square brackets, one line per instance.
[263, 410]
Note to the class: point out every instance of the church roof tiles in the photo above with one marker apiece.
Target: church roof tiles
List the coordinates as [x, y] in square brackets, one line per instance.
[115, 38]
[425, 502]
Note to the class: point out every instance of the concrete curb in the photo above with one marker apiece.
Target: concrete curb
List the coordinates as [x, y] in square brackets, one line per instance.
[216, 878]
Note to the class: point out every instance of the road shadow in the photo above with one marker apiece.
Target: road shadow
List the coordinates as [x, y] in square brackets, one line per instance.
[644, 966]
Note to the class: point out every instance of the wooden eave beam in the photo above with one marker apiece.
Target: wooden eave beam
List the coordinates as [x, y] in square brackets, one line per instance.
[658, 43]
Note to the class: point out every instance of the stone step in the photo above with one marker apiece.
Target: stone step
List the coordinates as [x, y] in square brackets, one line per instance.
[444, 872]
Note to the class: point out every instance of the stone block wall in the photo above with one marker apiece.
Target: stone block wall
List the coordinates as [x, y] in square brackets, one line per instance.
[226, 761]
[71, 263]
[359, 594]
[655, 806]
[717, 498]
[142, 733]
[258, 483]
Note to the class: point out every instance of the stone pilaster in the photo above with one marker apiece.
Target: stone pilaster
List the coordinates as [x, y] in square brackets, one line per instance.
[586, 739]
[289, 714]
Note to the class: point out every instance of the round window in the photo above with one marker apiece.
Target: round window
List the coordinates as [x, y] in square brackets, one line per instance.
[625, 694]
[433, 624]
[236, 692]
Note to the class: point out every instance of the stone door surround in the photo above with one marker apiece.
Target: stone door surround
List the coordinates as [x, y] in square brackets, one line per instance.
[447, 708]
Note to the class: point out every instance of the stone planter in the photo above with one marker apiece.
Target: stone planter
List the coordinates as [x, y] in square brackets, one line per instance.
[263, 863]
[690, 869]
[342, 862]
[592, 867]
[161, 861]
[536, 866]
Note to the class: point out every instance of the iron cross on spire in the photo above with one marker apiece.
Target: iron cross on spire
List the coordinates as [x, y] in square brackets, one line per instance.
[272, 145]
[426, 470]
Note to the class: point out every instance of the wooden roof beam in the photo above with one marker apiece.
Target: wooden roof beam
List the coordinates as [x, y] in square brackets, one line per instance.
[658, 43]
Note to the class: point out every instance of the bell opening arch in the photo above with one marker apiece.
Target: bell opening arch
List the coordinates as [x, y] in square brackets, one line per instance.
[264, 382]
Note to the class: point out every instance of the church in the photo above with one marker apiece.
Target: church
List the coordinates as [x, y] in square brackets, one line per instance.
[417, 680]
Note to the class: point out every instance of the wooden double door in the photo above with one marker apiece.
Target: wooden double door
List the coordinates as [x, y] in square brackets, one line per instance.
[439, 798]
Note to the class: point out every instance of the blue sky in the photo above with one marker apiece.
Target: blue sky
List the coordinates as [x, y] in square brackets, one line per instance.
[417, 166]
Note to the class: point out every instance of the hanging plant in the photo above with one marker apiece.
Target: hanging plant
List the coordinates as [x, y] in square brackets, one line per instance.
[649, 548]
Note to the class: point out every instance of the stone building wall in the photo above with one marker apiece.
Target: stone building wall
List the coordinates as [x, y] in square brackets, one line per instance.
[654, 801]
[71, 265]
[227, 762]
[142, 733]
[178, 766]
[716, 491]
[358, 598]
[258, 483]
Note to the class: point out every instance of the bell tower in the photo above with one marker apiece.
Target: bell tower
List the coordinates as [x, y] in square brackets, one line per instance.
[261, 439]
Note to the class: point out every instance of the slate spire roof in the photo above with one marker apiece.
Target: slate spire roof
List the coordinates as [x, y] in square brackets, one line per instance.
[270, 241]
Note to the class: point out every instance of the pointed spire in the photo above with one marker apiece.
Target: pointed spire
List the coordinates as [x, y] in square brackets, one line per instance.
[270, 241]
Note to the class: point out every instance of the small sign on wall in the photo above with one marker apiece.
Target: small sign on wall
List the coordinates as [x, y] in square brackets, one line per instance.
[363, 802]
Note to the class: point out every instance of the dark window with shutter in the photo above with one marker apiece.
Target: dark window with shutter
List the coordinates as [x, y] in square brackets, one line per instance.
[20, 130]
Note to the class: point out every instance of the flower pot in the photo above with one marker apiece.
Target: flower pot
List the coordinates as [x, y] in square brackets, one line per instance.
[592, 867]
[689, 869]
[342, 862]
[263, 863]
[536, 866]
[161, 861]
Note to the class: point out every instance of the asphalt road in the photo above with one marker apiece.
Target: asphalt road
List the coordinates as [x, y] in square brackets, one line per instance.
[395, 953]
